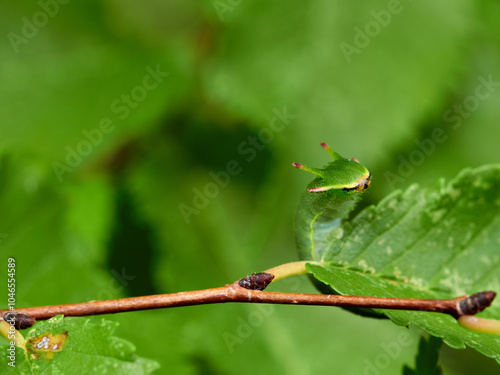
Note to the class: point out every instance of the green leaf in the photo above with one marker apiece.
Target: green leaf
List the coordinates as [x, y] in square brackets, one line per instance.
[427, 358]
[83, 57]
[440, 242]
[259, 50]
[77, 346]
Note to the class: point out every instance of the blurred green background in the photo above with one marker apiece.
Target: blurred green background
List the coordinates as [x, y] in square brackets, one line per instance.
[116, 115]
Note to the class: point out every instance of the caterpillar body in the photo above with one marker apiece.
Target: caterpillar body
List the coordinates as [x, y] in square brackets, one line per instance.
[328, 200]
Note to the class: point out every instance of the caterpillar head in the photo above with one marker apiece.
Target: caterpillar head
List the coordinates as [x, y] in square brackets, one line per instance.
[341, 175]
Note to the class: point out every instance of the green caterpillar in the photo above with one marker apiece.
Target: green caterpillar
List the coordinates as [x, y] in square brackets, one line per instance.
[329, 199]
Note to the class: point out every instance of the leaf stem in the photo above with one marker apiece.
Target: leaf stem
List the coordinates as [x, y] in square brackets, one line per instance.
[12, 335]
[479, 324]
[289, 269]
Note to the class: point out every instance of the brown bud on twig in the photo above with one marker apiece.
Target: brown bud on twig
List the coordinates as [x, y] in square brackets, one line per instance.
[21, 321]
[256, 281]
[476, 303]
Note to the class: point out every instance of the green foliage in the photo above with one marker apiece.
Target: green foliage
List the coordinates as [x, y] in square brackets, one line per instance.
[439, 242]
[427, 358]
[231, 73]
[77, 346]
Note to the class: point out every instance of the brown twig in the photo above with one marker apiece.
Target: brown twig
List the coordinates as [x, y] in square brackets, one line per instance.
[457, 307]
[250, 290]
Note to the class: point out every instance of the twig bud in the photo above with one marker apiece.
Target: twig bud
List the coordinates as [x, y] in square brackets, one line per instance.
[256, 281]
[21, 321]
